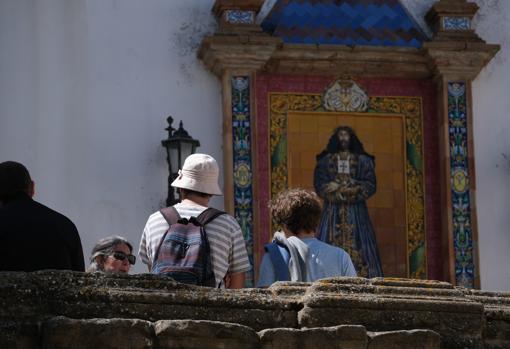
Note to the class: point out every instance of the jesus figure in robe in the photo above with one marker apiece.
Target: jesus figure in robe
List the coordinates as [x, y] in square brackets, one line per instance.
[344, 178]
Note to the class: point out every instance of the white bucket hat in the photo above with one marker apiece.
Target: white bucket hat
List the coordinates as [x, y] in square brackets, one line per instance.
[200, 172]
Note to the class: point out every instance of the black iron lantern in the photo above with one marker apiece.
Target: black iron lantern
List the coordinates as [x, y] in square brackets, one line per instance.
[179, 145]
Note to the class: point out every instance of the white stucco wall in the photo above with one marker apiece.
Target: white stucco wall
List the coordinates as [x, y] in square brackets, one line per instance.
[85, 88]
[492, 140]
[491, 107]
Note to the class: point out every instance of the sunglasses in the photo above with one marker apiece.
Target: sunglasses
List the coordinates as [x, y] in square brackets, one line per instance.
[122, 256]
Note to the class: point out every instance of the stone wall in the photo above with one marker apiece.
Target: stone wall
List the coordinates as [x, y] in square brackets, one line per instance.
[75, 310]
[66, 333]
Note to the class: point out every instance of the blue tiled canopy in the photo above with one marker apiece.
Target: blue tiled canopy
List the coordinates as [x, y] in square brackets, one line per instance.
[344, 22]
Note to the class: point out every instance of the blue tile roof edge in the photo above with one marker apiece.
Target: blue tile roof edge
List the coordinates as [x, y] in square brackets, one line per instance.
[271, 23]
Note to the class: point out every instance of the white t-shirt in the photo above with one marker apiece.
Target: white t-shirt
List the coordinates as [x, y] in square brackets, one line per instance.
[323, 261]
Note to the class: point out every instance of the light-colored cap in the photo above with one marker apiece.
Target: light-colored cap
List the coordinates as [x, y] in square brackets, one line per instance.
[200, 172]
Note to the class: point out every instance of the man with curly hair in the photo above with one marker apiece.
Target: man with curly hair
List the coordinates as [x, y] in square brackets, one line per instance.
[296, 254]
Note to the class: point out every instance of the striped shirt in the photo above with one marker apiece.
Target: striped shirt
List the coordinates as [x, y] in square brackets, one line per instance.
[228, 250]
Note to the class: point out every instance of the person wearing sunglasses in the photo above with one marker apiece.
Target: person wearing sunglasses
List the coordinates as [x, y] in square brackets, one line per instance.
[112, 255]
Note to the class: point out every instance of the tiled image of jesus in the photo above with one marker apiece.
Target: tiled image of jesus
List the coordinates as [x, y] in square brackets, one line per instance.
[344, 178]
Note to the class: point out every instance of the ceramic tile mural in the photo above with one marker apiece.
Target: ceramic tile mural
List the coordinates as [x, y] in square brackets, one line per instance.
[409, 107]
[311, 88]
[243, 186]
[461, 206]
[382, 136]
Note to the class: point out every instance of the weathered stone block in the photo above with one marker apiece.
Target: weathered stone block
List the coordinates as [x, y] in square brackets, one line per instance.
[338, 337]
[148, 297]
[20, 296]
[416, 339]
[463, 318]
[496, 329]
[395, 304]
[19, 336]
[65, 333]
[190, 334]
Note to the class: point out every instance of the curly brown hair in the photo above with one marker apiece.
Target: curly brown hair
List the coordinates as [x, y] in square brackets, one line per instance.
[297, 210]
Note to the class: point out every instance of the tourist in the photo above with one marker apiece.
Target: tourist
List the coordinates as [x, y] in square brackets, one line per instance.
[296, 254]
[33, 236]
[113, 254]
[197, 183]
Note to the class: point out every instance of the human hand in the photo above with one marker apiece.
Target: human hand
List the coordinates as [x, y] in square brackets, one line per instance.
[349, 193]
[331, 187]
[227, 280]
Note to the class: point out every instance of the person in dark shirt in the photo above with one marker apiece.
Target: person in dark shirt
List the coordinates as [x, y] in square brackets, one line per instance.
[33, 236]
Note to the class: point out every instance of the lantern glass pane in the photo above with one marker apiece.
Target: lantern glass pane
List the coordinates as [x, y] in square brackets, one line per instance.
[186, 150]
[174, 159]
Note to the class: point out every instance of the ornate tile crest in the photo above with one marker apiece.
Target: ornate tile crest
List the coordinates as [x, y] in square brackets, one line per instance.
[345, 95]
[456, 23]
[240, 17]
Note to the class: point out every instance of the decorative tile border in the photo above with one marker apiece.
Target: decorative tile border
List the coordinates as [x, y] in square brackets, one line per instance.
[240, 17]
[243, 184]
[411, 108]
[459, 172]
[456, 23]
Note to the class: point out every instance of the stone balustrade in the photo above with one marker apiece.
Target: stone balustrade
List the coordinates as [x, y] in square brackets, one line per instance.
[53, 309]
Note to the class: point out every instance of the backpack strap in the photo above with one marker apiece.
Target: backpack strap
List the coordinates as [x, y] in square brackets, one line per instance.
[280, 267]
[208, 215]
[171, 216]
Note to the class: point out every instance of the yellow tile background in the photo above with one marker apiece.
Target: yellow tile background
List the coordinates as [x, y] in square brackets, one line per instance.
[382, 136]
